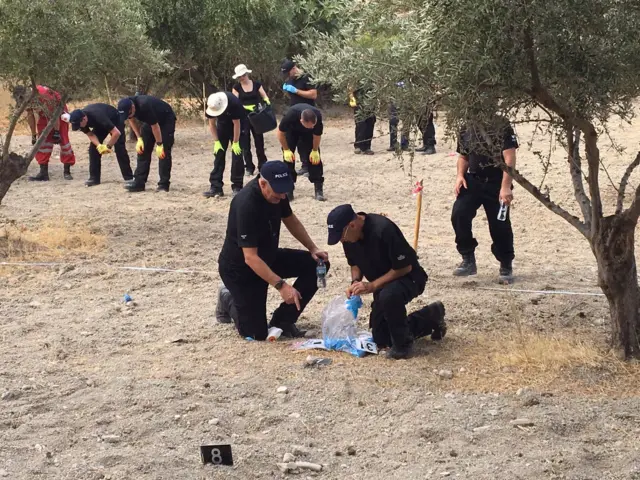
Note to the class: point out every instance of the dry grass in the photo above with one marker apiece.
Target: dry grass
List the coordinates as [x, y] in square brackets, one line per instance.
[54, 239]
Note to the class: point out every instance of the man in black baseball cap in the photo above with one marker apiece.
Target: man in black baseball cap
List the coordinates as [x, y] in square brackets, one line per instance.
[376, 250]
[251, 260]
[158, 128]
[98, 121]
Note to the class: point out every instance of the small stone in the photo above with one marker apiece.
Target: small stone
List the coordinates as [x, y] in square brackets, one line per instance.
[288, 457]
[3, 473]
[10, 395]
[214, 421]
[176, 417]
[351, 450]
[449, 395]
[521, 391]
[462, 370]
[445, 474]
[493, 413]
[207, 385]
[344, 465]
[294, 415]
[482, 429]
[522, 422]
[282, 389]
[111, 438]
[299, 451]
[337, 453]
[446, 374]
[35, 304]
[453, 453]
[530, 401]
[91, 383]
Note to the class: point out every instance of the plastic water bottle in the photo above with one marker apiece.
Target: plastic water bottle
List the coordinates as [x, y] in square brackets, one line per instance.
[274, 334]
[321, 273]
[502, 213]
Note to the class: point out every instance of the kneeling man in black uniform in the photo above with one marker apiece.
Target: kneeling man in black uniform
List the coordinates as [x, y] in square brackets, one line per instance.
[376, 250]
[251, 260]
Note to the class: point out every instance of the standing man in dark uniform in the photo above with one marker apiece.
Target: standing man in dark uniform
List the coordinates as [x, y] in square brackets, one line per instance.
[300, 88]
[251, 259]
[428, 129]
[158, 128]
[226, 114]
[480, 181]
[98, 121]
[365, 123]
[376, 250]
[301, 128]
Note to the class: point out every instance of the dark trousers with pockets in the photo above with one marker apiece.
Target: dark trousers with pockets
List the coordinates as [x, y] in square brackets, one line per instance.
[486, 193]
[364, 130]
[393, 129]
[245, 142]
[122, 156]
[389, 322]
[249, 292]
[303, 143]
[428, 130]
[141, 174]
[225, 135]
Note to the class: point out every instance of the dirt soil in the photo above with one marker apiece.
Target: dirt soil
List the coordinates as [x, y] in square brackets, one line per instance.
[93, 389]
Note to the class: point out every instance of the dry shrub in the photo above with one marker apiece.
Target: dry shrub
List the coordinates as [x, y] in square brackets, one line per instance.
[54, 239]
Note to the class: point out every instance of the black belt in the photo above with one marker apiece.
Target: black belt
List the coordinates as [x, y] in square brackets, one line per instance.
[484, 179]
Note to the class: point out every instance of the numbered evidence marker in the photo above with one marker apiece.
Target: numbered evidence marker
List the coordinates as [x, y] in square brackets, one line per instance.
[366, 346]
[216, 454]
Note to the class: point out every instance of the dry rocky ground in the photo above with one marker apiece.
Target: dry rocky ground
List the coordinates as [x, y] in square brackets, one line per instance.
[93, 389]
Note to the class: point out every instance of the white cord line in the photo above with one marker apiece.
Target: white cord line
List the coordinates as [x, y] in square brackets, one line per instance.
[144, 269]
[543, 292]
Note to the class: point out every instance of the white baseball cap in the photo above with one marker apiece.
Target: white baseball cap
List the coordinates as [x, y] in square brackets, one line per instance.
[217, 104]
[241, 70]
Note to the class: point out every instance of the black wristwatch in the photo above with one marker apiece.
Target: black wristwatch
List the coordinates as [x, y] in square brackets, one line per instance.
[279, 284]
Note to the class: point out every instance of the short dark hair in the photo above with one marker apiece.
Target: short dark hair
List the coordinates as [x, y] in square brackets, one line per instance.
[309, 115]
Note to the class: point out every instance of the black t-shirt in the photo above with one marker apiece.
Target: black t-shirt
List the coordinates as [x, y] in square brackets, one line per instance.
[303, 82]
[291, 120]
[152, 110]
[101, 118]
[234, 110]
[382, 248]
[253, 222]
[249, 98]
[473, 145]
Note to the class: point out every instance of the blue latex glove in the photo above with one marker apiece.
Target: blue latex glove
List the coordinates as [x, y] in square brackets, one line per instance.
[289, 88]
[353, 304]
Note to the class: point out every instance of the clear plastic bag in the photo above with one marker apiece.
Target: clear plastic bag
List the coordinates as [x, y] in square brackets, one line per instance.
[339, 329]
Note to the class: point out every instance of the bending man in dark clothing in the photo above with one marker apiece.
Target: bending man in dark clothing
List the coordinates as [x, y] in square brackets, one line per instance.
[251, 259]
[98, 121]
[376, 250]
[158, 128]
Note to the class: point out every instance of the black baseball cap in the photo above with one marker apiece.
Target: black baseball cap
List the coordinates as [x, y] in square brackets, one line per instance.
[75, 118]
[337, 220]
[278, 175]
[124, 107]
[287, 65]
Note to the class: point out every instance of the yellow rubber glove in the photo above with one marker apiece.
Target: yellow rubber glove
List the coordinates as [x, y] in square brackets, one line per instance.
[217, 146]
[266, 100]
[251, 108]
[235, 148]
[352, 101]
[102, 149]
[314, 157]
[160, 152]
[140, 146]
[287, 155]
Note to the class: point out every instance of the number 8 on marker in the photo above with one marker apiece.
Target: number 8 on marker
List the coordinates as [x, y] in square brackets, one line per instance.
[216, 456]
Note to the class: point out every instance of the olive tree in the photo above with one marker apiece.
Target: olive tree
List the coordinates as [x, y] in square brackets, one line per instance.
[73, 47]
[568, 66]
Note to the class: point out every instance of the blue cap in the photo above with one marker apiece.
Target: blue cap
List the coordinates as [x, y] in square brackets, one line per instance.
[124, 107]
[278, 175]
[75, 118]
[337, 221]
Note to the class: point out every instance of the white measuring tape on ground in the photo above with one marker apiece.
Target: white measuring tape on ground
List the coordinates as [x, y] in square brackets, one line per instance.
[142, 269]
[542, 292]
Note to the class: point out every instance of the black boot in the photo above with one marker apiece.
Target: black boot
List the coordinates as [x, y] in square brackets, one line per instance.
[319, 195]
[67, 172]
[438, 311]
[134, 187]
[223, 308]
[290, 331]
[467, 267]
[213, 193]
[430, 150]
[42, 176]
[506, 273]
[400, 353]
[92, 182]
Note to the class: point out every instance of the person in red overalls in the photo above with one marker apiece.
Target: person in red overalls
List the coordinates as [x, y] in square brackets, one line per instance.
[44, 105]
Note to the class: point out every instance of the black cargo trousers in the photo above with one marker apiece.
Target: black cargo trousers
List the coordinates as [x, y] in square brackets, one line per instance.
[167, 129]
[120, 147]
